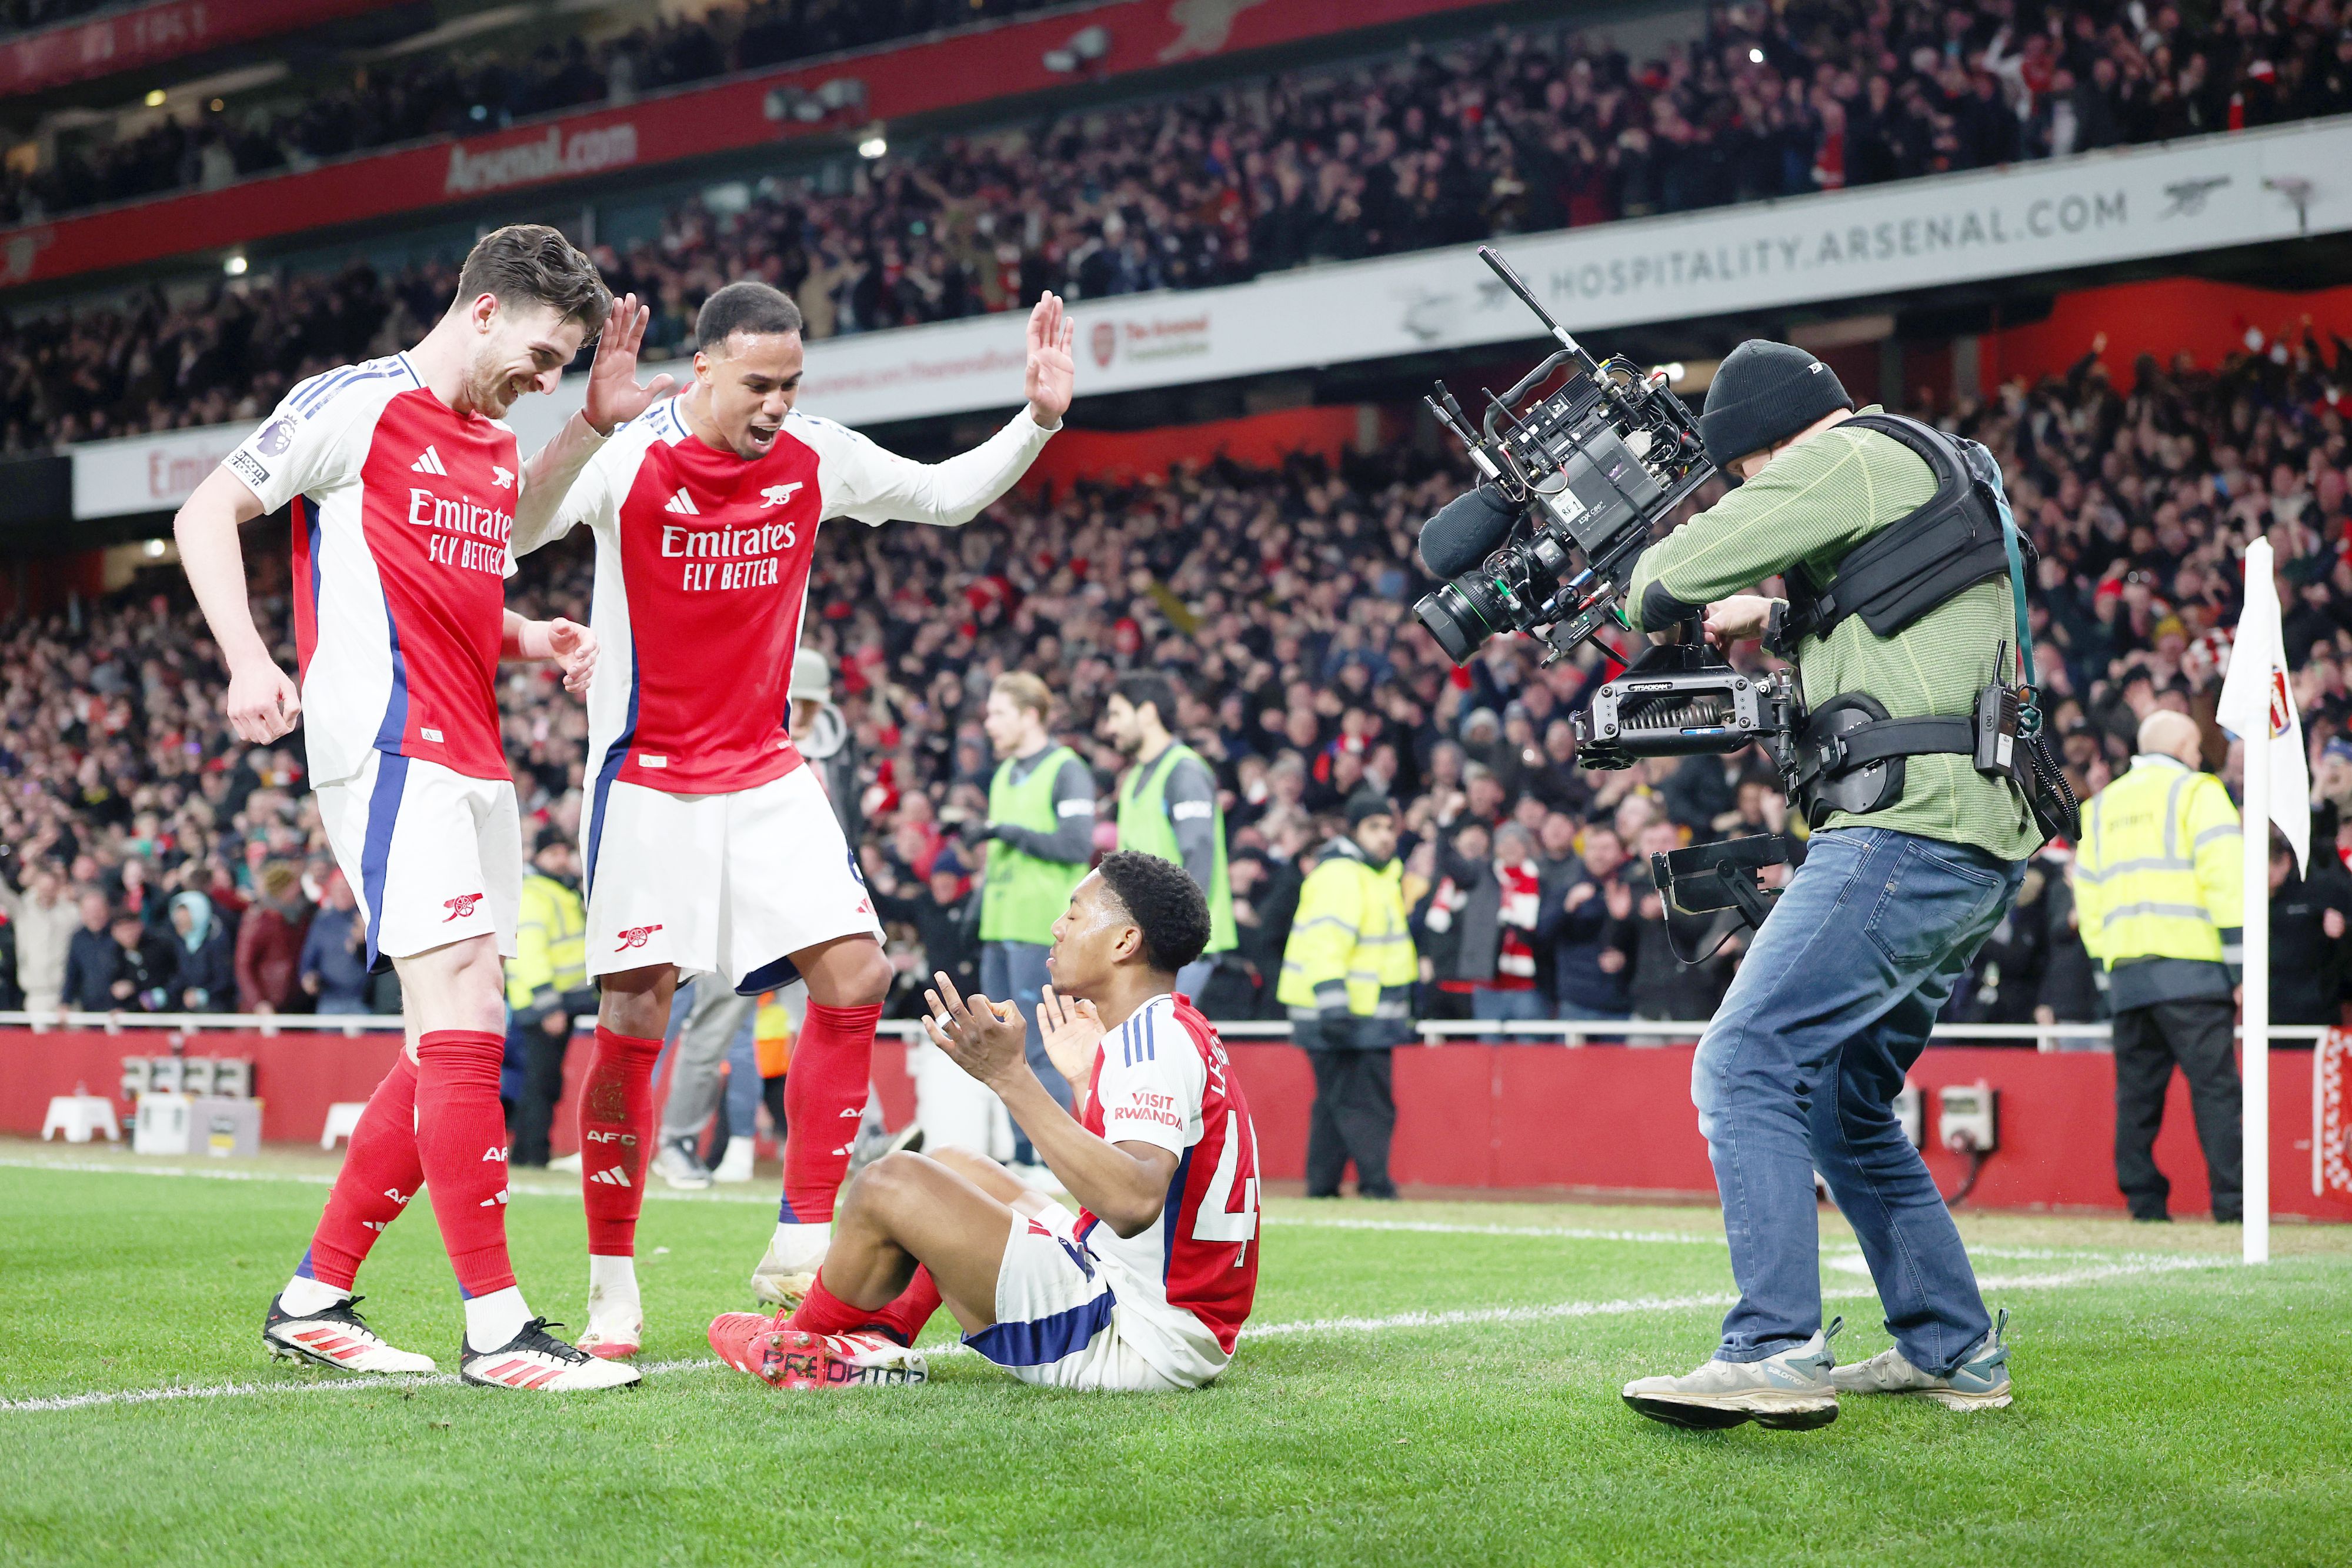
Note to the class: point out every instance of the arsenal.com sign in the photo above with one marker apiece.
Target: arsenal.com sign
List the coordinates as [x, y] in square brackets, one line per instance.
[553, 154]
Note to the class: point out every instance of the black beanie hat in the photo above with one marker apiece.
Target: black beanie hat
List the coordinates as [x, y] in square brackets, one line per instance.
[1764, 393]
[1368, 801]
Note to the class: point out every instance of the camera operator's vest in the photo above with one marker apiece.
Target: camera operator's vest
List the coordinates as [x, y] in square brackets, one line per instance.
[1850, 751]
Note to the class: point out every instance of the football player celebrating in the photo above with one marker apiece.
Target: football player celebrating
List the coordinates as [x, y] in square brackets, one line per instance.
[403, 477]
[1148, 1287]
[709, 844]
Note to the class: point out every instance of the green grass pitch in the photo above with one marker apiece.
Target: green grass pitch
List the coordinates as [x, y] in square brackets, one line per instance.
[1423, 1383]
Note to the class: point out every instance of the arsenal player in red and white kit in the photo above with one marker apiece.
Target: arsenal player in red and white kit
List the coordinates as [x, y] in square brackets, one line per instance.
[708, 844]
[1147, 1289]
[403, 481]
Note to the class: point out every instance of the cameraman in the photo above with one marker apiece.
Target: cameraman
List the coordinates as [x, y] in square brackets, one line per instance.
[1799, 1070]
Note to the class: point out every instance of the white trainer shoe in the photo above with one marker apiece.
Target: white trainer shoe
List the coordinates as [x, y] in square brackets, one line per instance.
[1790, 1391]
[735, 1165]
[535, 1359]
[1979, 1383]
[675, 1163]
[569, 1164]
[335, 1336]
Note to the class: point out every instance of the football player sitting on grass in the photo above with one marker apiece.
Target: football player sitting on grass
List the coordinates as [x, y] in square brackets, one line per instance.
[1147, 1287]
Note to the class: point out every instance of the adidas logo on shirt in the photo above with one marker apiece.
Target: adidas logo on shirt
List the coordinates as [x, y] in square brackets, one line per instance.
[682, 502]
[428, 462]
[612, 1177]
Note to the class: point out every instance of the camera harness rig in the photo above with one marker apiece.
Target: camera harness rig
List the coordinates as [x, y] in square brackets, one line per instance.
[1592, 469]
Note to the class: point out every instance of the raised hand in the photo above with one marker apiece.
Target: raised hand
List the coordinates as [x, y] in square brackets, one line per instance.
[614, 394]
[1073, 1031]
[1051, 376]
[573, 647]
[985, 1038]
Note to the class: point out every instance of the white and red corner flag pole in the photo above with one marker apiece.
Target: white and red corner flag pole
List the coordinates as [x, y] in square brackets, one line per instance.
[2257, 706]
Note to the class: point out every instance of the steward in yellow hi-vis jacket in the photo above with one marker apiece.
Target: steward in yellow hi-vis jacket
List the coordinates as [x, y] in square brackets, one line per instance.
[547, 989]
[2158, 890]
[1346, 980]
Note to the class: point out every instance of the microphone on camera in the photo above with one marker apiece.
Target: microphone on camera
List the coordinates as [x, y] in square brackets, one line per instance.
[1465, 531]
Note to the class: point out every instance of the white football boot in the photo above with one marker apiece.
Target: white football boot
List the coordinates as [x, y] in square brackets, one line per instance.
[535, 1359]
[335, 1336]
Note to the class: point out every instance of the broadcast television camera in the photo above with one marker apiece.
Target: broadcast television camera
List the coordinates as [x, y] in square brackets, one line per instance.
[1574, 482]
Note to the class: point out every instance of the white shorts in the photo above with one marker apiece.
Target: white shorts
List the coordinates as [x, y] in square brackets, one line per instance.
[435, 856]
[1058, 1319]
[726, 884]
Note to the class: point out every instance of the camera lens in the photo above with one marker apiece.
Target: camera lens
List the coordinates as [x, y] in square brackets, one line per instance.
[1463, 614]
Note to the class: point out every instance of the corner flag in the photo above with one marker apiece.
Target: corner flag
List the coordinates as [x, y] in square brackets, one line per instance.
[2258, 707]
[2257, 681]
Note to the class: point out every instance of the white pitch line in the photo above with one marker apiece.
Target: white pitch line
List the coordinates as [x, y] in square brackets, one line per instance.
[1469, 1317]
[1440, 1228]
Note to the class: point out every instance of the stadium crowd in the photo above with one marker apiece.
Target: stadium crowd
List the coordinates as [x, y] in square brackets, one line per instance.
[155, 862]
[1515, 134]
[432, 93]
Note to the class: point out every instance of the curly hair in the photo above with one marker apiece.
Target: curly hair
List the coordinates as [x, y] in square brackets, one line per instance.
[1165, 904]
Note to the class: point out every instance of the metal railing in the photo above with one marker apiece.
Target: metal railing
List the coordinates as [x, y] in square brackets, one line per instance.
[1570, 1032]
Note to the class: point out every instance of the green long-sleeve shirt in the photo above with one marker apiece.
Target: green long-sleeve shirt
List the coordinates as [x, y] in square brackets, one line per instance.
[1810, 506]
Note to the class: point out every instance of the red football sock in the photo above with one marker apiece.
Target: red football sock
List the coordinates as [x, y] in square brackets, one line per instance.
[823, 1312]
[903, 1318]
[616, 1133]
[380, 1174]
[461, 1141]
[824, 1099]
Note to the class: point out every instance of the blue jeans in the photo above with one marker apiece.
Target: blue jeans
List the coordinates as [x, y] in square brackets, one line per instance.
[1509, 1006]
[1799, 1072]
[1016, 970]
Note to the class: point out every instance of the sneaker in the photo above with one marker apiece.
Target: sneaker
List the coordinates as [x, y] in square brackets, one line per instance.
[568, 1165]
[1791, 1390]
[1979, 1383]
[674, 1163]
[336, 1336]
[735, 1165]
[873, 1143]
[786, 1357]
[536, 1359]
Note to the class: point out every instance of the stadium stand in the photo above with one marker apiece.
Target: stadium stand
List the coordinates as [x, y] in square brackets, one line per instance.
[1823, 94]
[1279, 597]
[1224, 185]
[439, 94]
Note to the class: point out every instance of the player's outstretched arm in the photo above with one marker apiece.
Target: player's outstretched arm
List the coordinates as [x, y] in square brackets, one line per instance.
[262, 702]
[1124, 1184]
[614, 398]
[566, 643]
[876, 485]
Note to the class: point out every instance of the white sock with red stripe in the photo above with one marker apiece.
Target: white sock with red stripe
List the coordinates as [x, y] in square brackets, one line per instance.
[493, 1319]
